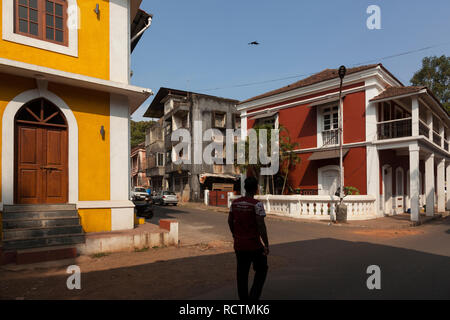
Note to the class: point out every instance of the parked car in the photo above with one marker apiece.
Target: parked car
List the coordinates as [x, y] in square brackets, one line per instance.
[144, 208]
[139, 193]
[165, 198]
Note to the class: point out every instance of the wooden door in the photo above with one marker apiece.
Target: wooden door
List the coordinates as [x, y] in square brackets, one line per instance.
[41, 155]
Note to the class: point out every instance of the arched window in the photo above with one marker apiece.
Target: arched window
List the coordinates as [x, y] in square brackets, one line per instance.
[41, 112]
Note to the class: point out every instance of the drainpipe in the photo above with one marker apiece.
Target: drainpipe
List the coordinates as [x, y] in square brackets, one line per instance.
[149, 23]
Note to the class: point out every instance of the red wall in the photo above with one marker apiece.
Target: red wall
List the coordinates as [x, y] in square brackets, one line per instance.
[305, 176]
[355, 117]
[301, 122]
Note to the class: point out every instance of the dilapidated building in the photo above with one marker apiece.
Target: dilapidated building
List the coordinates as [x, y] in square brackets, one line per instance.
[181, 109]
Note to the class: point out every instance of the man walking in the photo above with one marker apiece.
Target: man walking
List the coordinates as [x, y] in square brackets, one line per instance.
[251, 244]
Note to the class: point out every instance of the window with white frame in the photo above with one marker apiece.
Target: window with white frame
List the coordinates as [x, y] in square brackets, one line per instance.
[330, 125]
[47, 24]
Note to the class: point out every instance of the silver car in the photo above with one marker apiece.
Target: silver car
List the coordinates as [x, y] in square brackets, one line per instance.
[165, 198]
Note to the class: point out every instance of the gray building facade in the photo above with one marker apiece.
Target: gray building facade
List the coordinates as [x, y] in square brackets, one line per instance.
[177, 109]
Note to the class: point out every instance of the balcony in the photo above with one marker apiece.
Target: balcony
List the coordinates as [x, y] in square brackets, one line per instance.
[437, 138]
[330, 137]
[394, 129]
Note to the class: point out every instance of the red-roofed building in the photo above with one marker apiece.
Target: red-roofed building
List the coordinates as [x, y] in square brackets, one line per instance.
[395, 138]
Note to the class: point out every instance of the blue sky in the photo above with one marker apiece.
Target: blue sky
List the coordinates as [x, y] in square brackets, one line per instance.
[198, 45]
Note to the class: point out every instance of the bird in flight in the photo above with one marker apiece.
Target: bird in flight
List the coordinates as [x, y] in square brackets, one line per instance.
[254, 43]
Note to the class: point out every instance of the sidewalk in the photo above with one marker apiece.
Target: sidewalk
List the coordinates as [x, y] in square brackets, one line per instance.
[388, 222]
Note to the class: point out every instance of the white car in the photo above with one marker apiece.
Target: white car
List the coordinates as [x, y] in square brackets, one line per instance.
[165, 198]
[139, 193]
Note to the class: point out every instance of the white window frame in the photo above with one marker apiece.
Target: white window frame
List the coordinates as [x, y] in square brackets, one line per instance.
[321, 120]
[8, 33]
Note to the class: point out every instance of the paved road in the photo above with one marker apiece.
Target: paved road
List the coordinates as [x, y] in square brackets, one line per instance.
[317, 260]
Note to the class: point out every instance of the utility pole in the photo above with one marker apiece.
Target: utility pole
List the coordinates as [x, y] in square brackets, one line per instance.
[342, 209]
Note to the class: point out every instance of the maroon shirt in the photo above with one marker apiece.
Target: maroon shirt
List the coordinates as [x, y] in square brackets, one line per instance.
[243, 213]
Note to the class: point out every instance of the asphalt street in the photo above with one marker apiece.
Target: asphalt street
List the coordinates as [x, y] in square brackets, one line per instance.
[315, 260]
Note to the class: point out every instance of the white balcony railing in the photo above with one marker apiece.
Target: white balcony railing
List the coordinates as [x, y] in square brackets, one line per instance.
[330, 137]
[316, 207]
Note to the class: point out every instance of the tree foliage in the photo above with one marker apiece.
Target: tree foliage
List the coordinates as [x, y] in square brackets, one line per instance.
[137, 131]
[288, 160]
[435, 74]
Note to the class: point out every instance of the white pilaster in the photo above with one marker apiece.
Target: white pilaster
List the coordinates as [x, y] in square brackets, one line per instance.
[430, 124]
[429, 184]
[243, 138]
[415, 116]
[121, 218]
[441, 133]
[448, 183]
[441, 185]
[373, 176]
[119, 44]
[414, 181]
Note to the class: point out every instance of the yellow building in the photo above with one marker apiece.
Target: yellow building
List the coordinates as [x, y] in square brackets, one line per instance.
[65, 104]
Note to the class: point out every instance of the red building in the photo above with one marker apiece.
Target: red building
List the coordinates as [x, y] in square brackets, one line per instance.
[387, 129]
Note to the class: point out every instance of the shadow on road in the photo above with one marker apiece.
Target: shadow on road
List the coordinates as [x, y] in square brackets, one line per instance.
[313, 269]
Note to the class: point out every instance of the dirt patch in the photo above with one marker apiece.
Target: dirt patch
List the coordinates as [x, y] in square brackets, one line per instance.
[388, 233]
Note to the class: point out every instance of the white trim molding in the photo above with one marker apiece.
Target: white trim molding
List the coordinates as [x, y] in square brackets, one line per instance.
[9, 34]
[8, 141]
[136, 95]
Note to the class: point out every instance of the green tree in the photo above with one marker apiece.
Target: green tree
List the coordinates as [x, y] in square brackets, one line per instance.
[137, 131]
[435, 74]
[287, 158]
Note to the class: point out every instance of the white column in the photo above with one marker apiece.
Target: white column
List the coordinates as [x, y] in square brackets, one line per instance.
[430, 124]
[441, 133]
[414, 181]
[448, 183]
[243, 138]
[441, 185]
[373, 176]
[429, 184]
[415, 116]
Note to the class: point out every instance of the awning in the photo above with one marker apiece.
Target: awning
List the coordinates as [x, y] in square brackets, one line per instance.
[203, 176]
[327, 154]
[264, 115]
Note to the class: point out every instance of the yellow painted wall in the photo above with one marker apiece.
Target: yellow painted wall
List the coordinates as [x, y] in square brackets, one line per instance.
[95, 220]
[91, 110]
[93, 45]
[11, 86]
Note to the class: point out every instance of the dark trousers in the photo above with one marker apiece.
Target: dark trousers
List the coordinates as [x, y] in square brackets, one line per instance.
[259, 261]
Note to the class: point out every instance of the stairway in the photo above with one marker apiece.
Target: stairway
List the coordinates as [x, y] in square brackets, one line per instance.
[52, 229]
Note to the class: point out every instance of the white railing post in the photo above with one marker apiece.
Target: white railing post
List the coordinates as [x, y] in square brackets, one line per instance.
[206, 199]
[415, 116]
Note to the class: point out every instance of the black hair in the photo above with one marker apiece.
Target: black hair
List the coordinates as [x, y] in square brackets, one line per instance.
[251, 184]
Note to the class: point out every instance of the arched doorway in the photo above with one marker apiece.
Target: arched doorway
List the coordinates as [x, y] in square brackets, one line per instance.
[41, 154]
[328, 180]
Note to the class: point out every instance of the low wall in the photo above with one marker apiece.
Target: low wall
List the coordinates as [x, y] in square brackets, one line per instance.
[316, 207]
[145, 236]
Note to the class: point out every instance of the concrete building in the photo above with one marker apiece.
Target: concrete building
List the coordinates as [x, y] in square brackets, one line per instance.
[395, 139]
[178, 109]
[138, 166]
